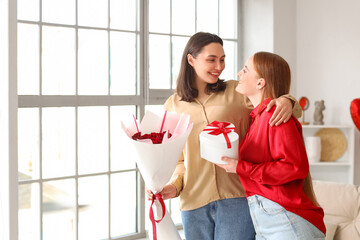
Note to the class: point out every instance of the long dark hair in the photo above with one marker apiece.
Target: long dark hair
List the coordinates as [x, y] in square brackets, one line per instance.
[186, 77]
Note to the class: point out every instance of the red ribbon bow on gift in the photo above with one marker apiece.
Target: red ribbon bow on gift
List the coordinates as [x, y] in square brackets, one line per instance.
[157, 196]
[221, 128]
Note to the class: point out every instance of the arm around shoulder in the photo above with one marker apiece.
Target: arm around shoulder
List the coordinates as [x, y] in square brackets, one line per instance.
[297, 110]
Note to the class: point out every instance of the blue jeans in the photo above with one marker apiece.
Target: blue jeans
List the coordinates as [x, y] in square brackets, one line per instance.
[226, 219]
[273, 222]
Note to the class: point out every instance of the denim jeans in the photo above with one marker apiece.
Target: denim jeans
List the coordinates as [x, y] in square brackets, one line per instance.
[273, 222]
[226, 219]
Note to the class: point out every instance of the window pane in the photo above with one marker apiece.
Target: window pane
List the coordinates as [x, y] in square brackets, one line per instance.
[28, 59]
[94, 207]
[59, 218]
[93, 139]
[58, 61]
[120, 158]
[231, 68]
[180, 23]
[138, 62]
[207, 16]
[58, 142]
[159, 61]
[175, 210]
[28, 10]
[93, 13]
[58, 11]
[28, 143]
[159, 16]
[93, 62]
[122, 63]
[123, 209]
[29, 211]
[123, 14]
[178, 45]
[157, 109]
[228, 19]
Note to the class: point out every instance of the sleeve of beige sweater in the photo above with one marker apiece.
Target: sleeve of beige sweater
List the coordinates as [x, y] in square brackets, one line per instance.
[297, 111]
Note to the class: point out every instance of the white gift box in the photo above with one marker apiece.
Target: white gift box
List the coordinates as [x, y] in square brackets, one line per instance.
[219, 139]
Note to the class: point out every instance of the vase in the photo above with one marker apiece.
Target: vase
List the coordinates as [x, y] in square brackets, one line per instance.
[313, 148]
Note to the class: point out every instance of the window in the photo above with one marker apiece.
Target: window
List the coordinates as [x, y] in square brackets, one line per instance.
[168, 35]
[82, 66]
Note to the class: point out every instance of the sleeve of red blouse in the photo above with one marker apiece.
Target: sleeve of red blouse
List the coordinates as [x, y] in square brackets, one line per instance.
[289, 157]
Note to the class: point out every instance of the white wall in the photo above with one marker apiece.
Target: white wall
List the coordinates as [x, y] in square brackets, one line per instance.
[328, 59]
[269, 25]
[321, 41]
[257, 27]
[328, 56]
[285, 34]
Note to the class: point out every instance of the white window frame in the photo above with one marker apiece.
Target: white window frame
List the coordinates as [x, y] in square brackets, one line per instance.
[8, 121]
[10, 102]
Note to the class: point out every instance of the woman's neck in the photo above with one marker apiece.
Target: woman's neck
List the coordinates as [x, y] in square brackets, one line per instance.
[201, 87]
[255, 99]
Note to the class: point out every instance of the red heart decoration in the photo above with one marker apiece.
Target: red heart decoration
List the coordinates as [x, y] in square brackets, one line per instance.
[355, 112]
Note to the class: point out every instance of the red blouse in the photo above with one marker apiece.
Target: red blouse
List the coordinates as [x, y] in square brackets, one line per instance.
[273, 163]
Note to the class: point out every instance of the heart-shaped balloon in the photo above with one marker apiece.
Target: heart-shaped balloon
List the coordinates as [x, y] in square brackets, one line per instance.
[304, 103]
[355, 112]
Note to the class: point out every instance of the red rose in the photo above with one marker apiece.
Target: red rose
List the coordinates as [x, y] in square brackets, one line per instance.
[156, 138]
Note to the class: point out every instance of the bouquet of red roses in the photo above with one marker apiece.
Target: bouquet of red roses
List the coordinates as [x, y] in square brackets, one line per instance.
[157, 143]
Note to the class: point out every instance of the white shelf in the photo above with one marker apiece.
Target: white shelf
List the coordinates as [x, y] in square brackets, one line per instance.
[331, 164]
[341, 170]
[327, 126]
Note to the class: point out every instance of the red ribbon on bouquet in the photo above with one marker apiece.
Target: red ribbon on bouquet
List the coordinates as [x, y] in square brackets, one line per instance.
[221, 128]
[157, 196]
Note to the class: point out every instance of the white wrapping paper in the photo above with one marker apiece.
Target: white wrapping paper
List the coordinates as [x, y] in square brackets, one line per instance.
[157, 162]
[213, 147]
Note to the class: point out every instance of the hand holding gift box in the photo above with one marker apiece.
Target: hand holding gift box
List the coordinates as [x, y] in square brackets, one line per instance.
[157, 144]
[219, 139]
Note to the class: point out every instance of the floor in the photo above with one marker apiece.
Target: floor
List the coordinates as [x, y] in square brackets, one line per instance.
[180, 231]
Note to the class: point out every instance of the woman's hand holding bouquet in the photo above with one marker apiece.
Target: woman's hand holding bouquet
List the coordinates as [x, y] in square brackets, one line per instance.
[157, 143]
[168, 192]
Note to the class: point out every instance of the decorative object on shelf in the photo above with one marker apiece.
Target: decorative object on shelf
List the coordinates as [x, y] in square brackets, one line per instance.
[355, 112]
[343, 169]
[318, 115]
[333, 144]
[304, 104]
[313, 148]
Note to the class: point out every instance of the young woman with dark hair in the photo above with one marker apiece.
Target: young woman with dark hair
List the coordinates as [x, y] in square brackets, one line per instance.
[212, 202]
[186, 77]
[273, 166]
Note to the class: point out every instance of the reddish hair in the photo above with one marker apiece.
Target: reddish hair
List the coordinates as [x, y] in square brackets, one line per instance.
[276, 72]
